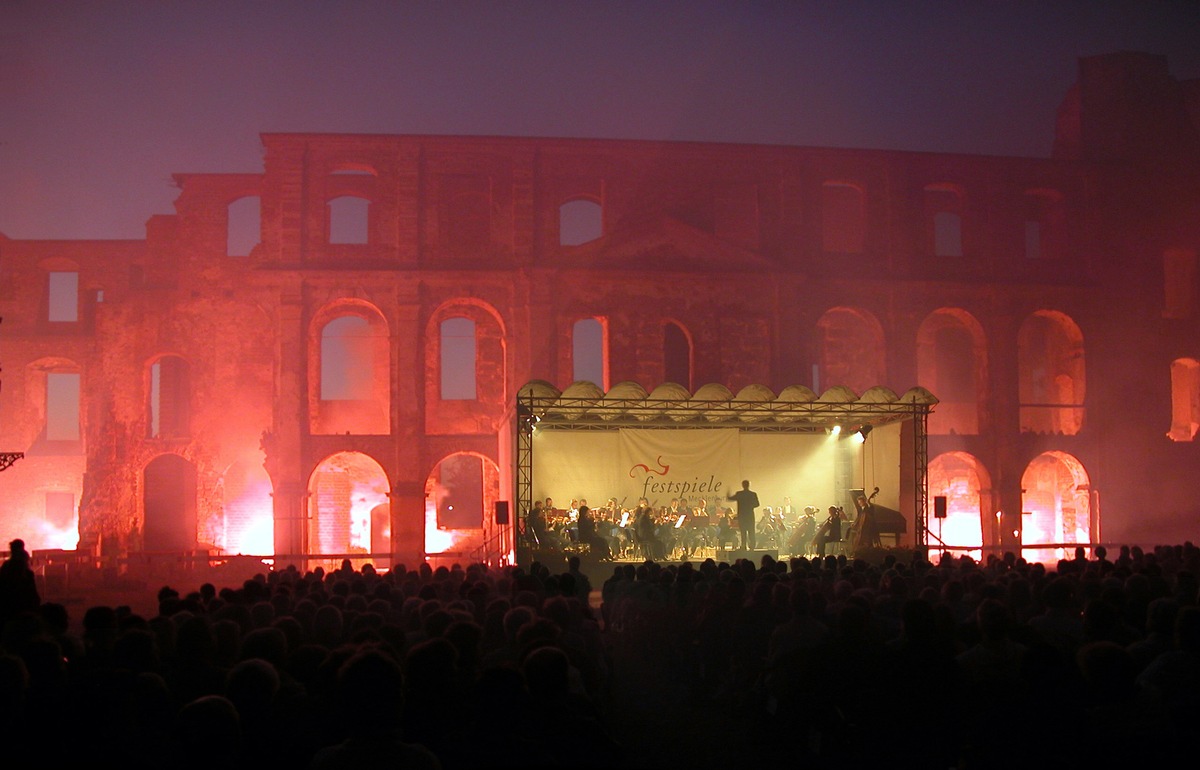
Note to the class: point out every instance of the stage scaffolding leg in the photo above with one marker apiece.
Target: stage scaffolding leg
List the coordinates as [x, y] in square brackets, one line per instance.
[524, 480]
[920, 422]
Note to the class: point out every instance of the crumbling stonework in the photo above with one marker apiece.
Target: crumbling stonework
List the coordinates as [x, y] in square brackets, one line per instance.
[781, 266]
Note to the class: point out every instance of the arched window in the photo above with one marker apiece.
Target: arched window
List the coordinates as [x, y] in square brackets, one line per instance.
[947, 234]
[589, 352]
[1044, 224]
[466, 352]
[63, 297]
[347, 359]
[843, 218]
[952, 363]
[170, 398]
[850, 350]
[1050, 362]
[349, 217]
[1185, 399]
[62, 406]
[350, 371]
[579, 221]
[677, 355]
[943, 212]
[244, 226]
[458, 359]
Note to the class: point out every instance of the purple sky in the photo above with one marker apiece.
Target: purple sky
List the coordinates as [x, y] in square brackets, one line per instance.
[100, 102]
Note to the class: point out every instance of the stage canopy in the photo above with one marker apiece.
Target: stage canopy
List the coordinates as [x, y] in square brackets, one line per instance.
[628, 443]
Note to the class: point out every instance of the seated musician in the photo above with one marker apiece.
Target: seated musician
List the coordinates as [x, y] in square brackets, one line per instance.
[589, 536]
[831, 530]
[802, 534]
[727, 528]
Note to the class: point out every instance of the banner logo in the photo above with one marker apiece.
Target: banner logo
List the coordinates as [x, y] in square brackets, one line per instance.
[648, 469]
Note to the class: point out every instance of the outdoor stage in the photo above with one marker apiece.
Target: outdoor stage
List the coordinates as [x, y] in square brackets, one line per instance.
[629, 449]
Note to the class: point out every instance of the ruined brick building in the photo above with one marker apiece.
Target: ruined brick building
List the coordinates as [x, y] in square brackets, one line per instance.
[308, 393]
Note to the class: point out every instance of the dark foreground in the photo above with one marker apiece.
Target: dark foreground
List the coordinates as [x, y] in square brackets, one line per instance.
[694, 665]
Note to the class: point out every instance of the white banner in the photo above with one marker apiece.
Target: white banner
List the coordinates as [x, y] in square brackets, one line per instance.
[663, 464]
[693, 463]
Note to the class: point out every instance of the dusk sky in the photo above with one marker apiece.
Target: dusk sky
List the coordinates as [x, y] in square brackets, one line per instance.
[100, 102]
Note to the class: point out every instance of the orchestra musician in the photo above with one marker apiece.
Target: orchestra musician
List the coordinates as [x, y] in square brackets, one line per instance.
[803, 532]
[588, 535]
[645, 527]
[535, 522]
[831, 530]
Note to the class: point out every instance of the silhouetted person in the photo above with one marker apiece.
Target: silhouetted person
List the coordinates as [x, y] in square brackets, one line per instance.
[370, 691]
[747, 501]
[18, 586]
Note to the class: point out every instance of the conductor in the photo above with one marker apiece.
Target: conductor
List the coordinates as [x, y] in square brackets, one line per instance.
[747, 501]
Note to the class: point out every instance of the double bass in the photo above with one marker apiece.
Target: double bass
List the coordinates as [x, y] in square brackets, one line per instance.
[865, 531]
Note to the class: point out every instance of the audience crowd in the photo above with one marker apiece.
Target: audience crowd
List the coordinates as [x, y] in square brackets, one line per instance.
[828, 662]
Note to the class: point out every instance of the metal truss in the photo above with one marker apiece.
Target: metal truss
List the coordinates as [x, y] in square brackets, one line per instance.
[8, 458]
[812, 417]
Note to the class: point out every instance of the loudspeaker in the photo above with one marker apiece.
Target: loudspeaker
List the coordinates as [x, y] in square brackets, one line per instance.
[939, 507]
[501, 511]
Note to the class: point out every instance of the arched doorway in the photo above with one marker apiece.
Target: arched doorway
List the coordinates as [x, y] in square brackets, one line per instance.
[247, 523]
[460, 501]
[344, 490]
[964, 482]
[169, 504]
[1057, 503]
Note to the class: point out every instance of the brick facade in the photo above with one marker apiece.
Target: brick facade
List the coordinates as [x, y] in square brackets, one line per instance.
[775, 262]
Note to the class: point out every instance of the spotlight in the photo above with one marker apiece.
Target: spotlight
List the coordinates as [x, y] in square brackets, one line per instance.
[865, 431]
[836, 429]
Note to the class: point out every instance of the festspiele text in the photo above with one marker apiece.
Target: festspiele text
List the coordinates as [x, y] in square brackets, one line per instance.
[697, 486]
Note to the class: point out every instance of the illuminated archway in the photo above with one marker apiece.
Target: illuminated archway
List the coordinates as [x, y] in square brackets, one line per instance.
[460, 501]
[1056, 504]
[342, 493]
[966, 485]
[246, 523]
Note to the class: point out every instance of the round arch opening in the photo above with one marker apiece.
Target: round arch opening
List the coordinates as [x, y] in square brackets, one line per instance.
[246, 520]
[460, 501]
[964, 482]
[1056, 506]
[347, 496]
